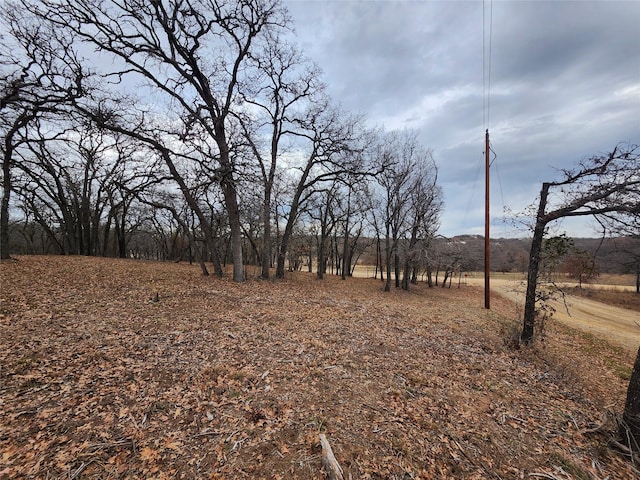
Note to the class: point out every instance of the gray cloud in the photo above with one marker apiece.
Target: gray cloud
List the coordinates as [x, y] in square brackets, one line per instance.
[565, 84]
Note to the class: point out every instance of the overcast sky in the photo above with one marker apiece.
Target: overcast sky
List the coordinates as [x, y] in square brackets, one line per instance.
[564, 85]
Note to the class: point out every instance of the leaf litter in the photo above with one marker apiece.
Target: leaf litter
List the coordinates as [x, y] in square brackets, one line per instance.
[127, 369]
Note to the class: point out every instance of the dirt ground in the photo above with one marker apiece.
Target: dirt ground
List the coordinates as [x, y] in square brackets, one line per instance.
[123, 369]
[618, 326]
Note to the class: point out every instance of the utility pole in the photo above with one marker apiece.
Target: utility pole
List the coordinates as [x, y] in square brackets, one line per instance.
[487, 243]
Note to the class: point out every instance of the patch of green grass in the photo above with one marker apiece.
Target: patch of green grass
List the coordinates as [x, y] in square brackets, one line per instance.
[622, 371]
[568, 466]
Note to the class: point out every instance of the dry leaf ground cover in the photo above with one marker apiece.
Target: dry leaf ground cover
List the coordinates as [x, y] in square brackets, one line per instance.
[101, 378]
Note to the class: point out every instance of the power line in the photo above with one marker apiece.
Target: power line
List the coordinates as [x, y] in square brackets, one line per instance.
[486, 92]
[486, 63]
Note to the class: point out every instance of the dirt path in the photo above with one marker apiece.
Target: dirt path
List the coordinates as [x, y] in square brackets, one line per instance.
[617, 325]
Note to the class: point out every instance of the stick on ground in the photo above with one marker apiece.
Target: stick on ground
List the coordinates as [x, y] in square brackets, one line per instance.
[329, 460]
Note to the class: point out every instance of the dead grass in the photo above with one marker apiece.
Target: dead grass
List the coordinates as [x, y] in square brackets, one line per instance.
[618, 298]
[225, 380]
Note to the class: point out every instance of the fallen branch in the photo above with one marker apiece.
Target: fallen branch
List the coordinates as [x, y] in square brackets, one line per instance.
[329, 461]
[635, 458]
[124, 442]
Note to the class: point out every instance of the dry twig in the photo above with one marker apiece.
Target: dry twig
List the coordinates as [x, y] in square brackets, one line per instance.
[329, 460]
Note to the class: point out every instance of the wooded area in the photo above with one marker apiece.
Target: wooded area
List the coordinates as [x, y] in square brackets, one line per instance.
[195, 131]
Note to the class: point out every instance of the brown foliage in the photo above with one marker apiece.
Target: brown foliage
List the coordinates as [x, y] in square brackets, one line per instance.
[124, 369]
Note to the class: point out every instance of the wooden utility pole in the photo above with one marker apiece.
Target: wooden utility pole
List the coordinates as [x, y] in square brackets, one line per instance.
[487, 243]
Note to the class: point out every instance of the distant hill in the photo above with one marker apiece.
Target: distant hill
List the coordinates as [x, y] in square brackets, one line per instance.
[612, 255]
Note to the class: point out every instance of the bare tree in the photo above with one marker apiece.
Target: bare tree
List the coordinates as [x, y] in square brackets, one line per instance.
[194, 53]
[79, 181]
[425, 198]
[410, 199]
[322, 211]
[599, 185]
[353, 211]
[280, 97]
[40, 75]
[332, 142]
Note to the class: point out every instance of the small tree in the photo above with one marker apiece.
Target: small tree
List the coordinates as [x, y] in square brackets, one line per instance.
[599, 185]
[554, 251]
[580, 265]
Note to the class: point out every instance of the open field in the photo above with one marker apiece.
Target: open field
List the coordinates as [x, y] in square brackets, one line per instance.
[123, 369]
[604, 282]
[628, 299]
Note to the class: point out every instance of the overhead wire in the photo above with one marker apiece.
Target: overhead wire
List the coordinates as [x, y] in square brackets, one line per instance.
[486, 64]
[487, 54]
[485, 100]
[487, 50]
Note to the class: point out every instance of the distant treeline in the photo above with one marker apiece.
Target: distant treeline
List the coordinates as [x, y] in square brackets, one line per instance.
[151, 240]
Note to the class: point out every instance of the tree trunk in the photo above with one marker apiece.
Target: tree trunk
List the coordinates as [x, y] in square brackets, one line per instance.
[84, 214]
[406, 275]
[322, 263]
[282, 255]
[195, 207]
[201, 256]
[378, 257]
[528, 327]
[231, 201]
[346, 257]
[122, 235]
[106, 234]
[266, 240]
[4, 208]
[446, 277]
[629, 430]
[346, 262]
[291, 221]
[388, 256]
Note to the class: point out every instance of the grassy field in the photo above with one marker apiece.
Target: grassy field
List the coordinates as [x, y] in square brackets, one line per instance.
[626, 298]
[626, 281]
[123, 369]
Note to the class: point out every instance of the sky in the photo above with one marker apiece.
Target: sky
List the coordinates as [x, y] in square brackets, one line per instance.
[554, 82]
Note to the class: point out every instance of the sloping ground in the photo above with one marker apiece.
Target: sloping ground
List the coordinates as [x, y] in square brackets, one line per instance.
[224, 380]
